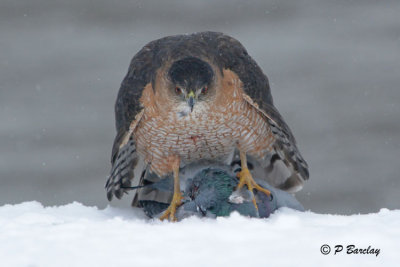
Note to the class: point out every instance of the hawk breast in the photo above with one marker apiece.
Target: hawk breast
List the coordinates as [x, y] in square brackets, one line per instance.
[208, 132]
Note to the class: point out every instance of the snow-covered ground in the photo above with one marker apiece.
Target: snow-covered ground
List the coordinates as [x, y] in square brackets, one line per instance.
[77, 235]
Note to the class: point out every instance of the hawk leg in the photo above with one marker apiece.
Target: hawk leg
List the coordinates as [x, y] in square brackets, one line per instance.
[245, 178]
[176, 201]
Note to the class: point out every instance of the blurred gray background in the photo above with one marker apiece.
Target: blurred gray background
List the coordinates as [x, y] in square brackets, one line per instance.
[334, 69]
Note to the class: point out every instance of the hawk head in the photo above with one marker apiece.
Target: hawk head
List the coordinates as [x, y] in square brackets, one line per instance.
[191, 81]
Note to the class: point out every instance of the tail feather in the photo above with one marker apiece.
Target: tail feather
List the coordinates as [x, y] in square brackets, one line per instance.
[122, 171]
[286, 154]
[287, 150]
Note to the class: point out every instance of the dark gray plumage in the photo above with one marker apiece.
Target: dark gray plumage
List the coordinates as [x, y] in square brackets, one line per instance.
[191, 70]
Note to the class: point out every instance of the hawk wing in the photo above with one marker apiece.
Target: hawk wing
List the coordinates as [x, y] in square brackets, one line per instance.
[232, 55]
[128, 112]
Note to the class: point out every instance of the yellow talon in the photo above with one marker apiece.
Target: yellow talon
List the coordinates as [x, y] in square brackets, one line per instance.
[176, 201]
[245, 178]
[169, 213]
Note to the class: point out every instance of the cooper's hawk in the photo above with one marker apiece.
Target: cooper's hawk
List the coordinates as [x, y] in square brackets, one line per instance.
[199, 97]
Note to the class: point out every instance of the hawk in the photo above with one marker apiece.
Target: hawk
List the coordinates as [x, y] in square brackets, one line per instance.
[194, 97]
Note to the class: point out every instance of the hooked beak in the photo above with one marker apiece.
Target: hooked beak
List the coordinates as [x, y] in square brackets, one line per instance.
[191, 100]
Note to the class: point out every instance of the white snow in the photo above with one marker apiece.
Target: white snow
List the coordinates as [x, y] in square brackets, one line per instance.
[77, 235]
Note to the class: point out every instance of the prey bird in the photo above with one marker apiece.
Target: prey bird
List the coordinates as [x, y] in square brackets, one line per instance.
[211, 192]
[194, 97]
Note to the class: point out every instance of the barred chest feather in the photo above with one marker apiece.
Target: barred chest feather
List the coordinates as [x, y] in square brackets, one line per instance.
[206, 133]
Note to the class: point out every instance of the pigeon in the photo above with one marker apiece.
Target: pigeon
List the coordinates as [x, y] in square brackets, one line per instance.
[212, 193]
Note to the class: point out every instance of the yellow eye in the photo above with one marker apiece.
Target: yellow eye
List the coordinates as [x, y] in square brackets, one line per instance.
[204, 90]
[178, 90]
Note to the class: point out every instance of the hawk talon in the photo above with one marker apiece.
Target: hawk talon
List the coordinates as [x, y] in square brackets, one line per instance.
[169, 213]
[245, 178]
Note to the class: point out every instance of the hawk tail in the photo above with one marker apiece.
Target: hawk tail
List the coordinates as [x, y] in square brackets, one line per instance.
[286, 155]
[122, 171]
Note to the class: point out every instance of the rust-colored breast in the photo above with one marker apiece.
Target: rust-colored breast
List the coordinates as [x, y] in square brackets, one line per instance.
[213, 130]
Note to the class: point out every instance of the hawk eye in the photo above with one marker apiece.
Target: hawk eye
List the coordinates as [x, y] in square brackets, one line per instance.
[204, 90]
[178, 90]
